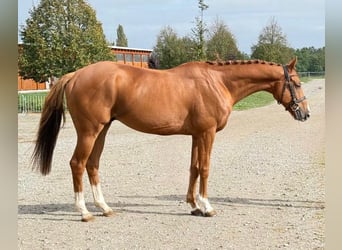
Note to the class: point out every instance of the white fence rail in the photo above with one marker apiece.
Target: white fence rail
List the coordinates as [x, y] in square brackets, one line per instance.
[320, 74]
[31, 101]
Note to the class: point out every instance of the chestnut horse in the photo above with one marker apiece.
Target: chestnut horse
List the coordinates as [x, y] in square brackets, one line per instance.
[194, 99]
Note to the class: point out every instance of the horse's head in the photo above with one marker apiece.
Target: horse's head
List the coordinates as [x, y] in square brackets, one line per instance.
[290, 93]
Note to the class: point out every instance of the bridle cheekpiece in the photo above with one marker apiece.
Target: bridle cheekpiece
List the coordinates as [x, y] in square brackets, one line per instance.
[293, 105]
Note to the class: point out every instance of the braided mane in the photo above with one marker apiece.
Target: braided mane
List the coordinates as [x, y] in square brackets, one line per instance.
[240, 62]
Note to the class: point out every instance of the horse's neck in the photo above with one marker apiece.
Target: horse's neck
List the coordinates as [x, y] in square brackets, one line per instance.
[244, 82]
[240, 89]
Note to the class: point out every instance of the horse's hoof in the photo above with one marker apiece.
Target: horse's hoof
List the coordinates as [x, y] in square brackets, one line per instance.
[109, 213]
[212, 213]
[197, 212]
[87, 217]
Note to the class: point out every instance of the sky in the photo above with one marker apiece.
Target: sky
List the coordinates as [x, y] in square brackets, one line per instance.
[302, 21]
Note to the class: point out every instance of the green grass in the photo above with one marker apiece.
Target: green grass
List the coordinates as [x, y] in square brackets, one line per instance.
[255, 100]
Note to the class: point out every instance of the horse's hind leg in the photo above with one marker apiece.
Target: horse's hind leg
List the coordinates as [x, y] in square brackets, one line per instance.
[86, 136]
[93, 172]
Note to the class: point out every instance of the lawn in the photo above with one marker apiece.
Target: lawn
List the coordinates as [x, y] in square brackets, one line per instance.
[255, 100]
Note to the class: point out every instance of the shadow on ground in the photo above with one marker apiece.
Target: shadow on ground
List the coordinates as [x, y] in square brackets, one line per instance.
[67, 209]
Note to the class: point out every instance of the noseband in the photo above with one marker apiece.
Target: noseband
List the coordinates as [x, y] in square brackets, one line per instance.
[293, 105]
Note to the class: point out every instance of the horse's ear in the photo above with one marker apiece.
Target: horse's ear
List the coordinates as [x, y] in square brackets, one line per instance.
[291, 65]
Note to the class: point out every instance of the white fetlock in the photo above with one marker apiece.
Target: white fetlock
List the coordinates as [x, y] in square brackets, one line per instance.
[205, 205]
[99, 200]
[196, 210]
[81, 207]
[107, 211]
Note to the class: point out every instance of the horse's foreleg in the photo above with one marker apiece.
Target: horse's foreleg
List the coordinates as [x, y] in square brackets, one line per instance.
[204, 151]
[194, 173]
[93, 172]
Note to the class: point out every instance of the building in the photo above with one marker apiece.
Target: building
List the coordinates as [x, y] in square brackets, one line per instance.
[131, 56]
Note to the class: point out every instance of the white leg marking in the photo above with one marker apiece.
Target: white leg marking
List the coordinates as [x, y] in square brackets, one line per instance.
[99, 199]
[309, 110]
[196, 206]
[80, 203]
[204, 202]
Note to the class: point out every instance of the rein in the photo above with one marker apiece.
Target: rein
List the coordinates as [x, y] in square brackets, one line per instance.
[293, 105]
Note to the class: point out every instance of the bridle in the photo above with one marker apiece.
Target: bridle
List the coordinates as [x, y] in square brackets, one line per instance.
[293, 105]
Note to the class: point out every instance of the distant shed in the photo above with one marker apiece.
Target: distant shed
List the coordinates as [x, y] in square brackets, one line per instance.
[132, 56]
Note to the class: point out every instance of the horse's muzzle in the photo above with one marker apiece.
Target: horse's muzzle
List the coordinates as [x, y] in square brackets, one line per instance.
[299, 113]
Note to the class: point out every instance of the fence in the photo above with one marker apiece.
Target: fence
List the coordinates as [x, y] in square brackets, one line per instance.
[320, 74]
[31, 101]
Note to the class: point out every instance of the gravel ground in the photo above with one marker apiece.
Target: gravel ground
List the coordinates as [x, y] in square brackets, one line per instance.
[266, 183]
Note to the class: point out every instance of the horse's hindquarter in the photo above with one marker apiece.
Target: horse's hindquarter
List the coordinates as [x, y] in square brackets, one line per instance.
[89, 96]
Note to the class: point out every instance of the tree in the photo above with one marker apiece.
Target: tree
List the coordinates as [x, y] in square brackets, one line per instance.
[310, 59]
[171, 50]
[121, 39]
[221, 43]
[188, 49]
[60, 36]
[272, 44]
[168, 48]
[199, 31]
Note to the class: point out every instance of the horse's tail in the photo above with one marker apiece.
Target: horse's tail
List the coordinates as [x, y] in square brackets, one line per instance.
[49, 125]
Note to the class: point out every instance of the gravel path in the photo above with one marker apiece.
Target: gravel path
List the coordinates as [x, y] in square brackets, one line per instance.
[266, 183]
